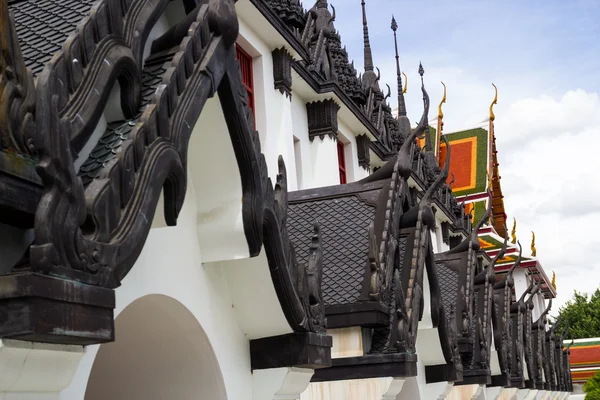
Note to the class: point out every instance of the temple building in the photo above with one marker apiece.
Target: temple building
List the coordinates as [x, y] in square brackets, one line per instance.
[584, 357]
[204, 199]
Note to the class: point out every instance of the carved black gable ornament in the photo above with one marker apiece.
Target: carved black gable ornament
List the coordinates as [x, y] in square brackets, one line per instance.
[322, 119]
[364, 155]
[91, 223]
[282, 71]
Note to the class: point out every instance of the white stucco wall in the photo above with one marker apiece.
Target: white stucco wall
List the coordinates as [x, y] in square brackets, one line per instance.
[273, 110]
[171, 265]
[354, 172]
[300, 131]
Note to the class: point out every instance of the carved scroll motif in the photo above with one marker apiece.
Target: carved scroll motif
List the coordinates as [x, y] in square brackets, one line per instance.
[17, 91]
[94, 234]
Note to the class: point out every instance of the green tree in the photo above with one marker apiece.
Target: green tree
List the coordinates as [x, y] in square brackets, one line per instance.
[592, 387]
[582, 313]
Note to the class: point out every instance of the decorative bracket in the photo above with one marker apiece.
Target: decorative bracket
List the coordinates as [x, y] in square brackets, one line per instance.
[364, 156]
[282, 71]
[322, 119]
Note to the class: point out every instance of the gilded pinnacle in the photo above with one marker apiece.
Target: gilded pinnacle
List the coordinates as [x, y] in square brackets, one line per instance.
[514, 231]
[495, 101]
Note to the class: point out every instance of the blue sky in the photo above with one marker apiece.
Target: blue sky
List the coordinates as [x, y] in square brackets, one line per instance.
[544, 56]
[540, 46]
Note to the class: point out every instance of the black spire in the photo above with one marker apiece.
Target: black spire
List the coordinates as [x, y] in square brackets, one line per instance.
[369, 78]
[403, 121]
[428, 144]
[367, 44]
[401, 103]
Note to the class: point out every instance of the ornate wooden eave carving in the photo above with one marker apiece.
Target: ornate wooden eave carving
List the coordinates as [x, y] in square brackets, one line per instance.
[87, 238]
[504, 339]
[364, 155]
[561, 373]
[538, 339]
[529, 343]
[17, 92]
[458, 266]
[18, 180]
[282, 71]
[550, 365]
[521, 336]
[322, 119]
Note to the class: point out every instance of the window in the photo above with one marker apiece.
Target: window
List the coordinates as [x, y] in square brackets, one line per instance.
[245, 61]
[341, 162]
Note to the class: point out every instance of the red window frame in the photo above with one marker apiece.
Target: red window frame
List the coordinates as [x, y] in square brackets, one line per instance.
[245, 61]
[341, 162]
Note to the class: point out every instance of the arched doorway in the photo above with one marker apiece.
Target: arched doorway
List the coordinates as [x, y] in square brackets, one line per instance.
[161, 352]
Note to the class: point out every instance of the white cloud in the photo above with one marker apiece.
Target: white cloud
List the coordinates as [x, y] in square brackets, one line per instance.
[549, 167]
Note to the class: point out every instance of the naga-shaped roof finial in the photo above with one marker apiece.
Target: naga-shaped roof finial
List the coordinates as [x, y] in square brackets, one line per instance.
[554, 280]
[495, 101]
[514, 231]
[533, 249]
[440, 113]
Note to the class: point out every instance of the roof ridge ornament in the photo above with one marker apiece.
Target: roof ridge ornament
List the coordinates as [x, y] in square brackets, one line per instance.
[401, 103]
[494, 102]
[440, 113]
[440, 123]
[514, 231]
[405, 83]
[17, 91]
[533, 249]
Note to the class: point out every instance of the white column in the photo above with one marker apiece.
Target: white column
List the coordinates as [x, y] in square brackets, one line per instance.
[527, 394]
[393, 388]
[37, 371]
[280, 383]
[500, 393]
[439, 390]
[521, 284]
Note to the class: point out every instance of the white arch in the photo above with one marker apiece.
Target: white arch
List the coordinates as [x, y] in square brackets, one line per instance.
[161, 352]
[171, 264]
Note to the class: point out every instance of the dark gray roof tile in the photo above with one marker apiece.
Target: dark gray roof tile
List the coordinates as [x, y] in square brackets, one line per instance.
[344, 225]
[44, 25]
[117, 132]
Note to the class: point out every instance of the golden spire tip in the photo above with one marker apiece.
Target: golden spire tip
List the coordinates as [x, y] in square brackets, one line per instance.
[514, 232]
[495, 101]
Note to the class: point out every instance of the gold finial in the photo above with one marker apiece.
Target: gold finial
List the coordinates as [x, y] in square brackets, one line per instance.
[533, 250]
[514, 232]
[405, 83]
[492, 116]
[554, 280]
[440, 113]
